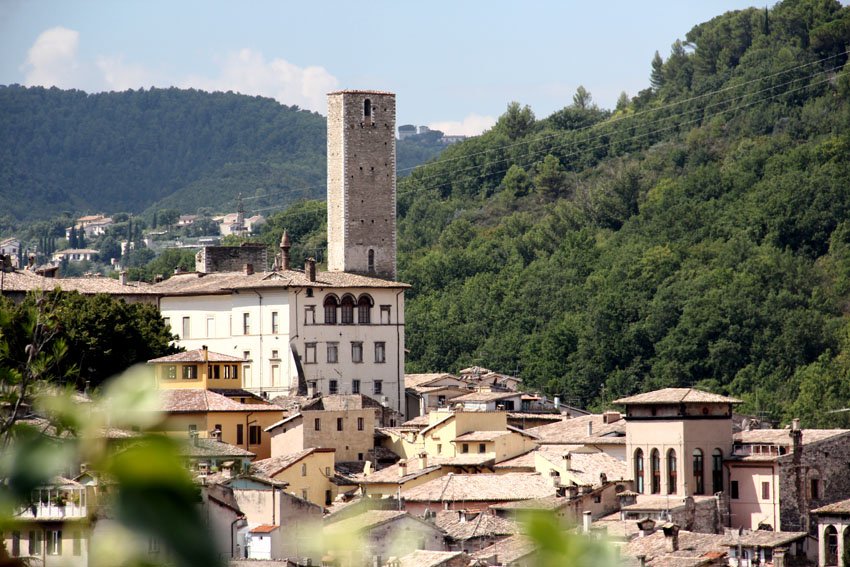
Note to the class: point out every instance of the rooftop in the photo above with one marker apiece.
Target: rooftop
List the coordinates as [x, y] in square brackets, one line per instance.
[416, 380]
[783, 436]
[481, 487]
[508, 550]
[200, 448]
[461, 525]
[485, 396]
[842, 507]
[423, 558]
[588, 467]
[196, 283]
[676, 396]
[24, 281]
[264, 529]
[197, 355]
[573, 431]
[198, 400]
[365, 521]
[275, 465]
[341, 402]
[693, 548]
[761, 538]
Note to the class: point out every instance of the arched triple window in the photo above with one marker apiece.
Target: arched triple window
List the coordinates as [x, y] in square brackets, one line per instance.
[364, 309]
[672, 471]
[639, 486]
[331, 303]
[655, 471]
[699, 474]
[717, 471]
[347, 310]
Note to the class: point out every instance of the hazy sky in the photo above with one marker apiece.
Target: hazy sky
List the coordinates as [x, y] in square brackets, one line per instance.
[453, 65]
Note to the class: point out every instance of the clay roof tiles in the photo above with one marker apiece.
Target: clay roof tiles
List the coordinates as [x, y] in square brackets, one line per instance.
[455, 525]
[573, 431]
[481, 487]
[276, 465]
[676, 396]
[508, 550]
[197, 400]
[197, 355]
[424, 558]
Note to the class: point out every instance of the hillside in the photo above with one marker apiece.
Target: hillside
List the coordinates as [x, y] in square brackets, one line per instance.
[160, 148]
[697, 235]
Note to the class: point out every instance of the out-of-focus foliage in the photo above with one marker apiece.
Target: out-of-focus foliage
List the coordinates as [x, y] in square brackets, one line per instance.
[151, 494]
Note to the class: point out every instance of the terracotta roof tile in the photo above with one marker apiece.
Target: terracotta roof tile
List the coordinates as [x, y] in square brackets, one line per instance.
[415, 380]
[692, 546]
[264, 529]
[197, 355]
[842, 507]
[276, 465]
[573, 431]
[24, 281]
[198, 400]
[481, 487]
[508, 550]
[457, 525]
[485, 396]
[783, 436]
[762, 538]
[204, 447]
[340, 402]
[677, 395]
[424, 558]
[365, 521]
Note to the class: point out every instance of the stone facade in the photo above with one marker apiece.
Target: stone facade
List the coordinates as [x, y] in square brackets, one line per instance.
[361, 183]
[212, 259]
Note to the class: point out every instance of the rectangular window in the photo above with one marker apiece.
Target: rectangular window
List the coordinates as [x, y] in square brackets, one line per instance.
[355, 386]
[360, 424]
[275, 325]
[328, 497]
[317, 424]
[310, 353]
[385, 314]
[482, 448]
[246, 323]
[310, 315]
[35, 542]
[439, 449]
[465, 448]
[380, 352]
[171, 372]
[765, 491]
[185, 328]
[246, 355]
[215, 372]
[364, 312]
[255, 435]
[239, 435]
[210, 326]
[16, 544]
[378, 387]
[733, 489]
[167, 322]
[339, 424]
[275, 374]
[78, 543]
[275, 355]
[246, 372]
[54, 542]
[303, 494]
[357, 352]
[190, 372]
[333, 353]
[333, 386]
[815, 492]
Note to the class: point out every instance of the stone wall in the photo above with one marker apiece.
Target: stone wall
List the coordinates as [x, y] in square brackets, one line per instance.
[827, 462]
[361, 183]
[210, 259]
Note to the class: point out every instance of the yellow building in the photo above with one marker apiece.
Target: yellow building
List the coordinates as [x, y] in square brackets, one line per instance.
[198, 368]
[202, 412]
[308, 474]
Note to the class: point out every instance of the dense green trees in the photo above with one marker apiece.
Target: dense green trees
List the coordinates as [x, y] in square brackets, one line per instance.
[696, 237]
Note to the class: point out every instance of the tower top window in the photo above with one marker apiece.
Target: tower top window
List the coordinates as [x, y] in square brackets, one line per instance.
[367, 108]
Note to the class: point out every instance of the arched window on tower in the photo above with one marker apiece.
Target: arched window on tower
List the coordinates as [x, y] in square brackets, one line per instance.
[347, 310]
[672, 471]
[331, 303]
[655, 471]
[367, 112]
[699, 475]
[717, 471]
[364, 309]
[639, 486]
[370, 265]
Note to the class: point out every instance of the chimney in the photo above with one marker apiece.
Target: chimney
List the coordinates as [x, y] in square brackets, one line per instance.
[216, 435]
[586, 521]
[589, 427]
[555, 478]
[796, 436]
[671, 537]
[568, 461]
[249, 269]
[158, 278]
[572, 491]
[310, 269]
[402, 468]
[367, 468]
[423, 460]
[206, 353]
[646, 527]
[284, 251]
[610, 417]
[122, 277]
[557, 402]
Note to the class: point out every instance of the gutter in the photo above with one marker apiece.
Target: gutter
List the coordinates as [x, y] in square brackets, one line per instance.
[399, 370]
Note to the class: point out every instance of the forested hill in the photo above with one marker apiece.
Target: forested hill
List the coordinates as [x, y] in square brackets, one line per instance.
[182, 149]
[698, 235]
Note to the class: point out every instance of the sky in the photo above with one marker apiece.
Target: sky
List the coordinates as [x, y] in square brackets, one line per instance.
[454, 65]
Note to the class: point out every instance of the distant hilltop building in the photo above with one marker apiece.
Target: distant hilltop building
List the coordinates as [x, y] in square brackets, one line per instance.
[91, 225]
[409, 130]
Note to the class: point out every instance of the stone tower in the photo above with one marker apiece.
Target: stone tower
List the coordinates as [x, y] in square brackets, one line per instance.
[361, 183]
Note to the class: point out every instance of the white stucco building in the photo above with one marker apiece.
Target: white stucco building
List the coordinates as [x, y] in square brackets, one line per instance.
[340, 331]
